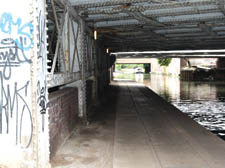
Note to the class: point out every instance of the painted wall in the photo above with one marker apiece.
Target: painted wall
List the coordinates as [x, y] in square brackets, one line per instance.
[23, 86]
[16, 42]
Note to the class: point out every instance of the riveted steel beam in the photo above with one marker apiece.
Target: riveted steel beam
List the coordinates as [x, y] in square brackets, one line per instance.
[143, 19]
[142, 8]
[156, 13]
[83, 56]
[192, 18]
[221, 51]
[166, 20]
[103, 3]
[66, 60]
[221, 5]
[132, 56]
[59, 79]
[207, 29]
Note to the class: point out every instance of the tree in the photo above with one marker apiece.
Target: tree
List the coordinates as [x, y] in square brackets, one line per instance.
[164, 61]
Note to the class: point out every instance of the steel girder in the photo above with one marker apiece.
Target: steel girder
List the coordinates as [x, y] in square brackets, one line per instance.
[157, 13]
[102, 3]
[157, 20]
[142, 8]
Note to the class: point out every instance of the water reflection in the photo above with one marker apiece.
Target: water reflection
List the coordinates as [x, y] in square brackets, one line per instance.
[139, 77]
[202, 101]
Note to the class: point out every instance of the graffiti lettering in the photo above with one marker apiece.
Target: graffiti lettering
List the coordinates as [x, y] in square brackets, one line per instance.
[41, 55]
[15, 41]
[13, 105]
[11, 56]
[41, 35]
[41, 40]
[42, 101]
[8, 24]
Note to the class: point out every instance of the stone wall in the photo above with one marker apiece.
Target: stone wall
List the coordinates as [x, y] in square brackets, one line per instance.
[63, 116]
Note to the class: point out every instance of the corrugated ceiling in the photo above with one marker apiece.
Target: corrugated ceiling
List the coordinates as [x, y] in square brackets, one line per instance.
[126, 25]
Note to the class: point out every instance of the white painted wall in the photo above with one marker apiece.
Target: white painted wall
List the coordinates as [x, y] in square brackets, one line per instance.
[16, 41]
[23, 86]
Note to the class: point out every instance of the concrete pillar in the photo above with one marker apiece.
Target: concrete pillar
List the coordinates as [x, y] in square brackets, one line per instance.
[24, 135]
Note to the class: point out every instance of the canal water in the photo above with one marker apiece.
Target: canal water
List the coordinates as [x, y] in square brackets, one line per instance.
[204, 101]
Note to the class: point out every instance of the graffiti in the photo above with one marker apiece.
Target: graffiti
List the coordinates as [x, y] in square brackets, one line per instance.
[41, 39]
[11, 56]
[41, 55]
[42, 101]
[8, 26]
[41, 34]
[13, 105]
[15, 112]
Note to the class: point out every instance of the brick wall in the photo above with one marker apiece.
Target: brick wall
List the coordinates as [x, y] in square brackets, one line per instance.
[63, 112]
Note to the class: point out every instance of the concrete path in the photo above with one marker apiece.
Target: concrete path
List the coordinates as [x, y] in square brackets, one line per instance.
[146, 132]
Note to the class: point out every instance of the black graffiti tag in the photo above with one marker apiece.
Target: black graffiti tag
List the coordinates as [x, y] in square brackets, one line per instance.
[42, 101]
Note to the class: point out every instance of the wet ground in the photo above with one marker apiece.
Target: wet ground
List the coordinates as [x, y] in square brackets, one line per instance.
[202, 101]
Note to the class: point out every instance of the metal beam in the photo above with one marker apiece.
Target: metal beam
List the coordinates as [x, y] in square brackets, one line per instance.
[66, 3]
[143, 19]
[102, 3]
[145, 56]
[165, 20]
[142, 8]
[60, 79]
[155, 13]
[55, 16]
[221, 5]
[207, 29]
[171, 52]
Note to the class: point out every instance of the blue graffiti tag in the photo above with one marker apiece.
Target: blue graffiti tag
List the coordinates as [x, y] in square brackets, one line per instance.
[7, 24]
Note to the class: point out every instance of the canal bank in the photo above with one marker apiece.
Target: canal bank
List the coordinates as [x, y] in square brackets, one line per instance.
[140, 129]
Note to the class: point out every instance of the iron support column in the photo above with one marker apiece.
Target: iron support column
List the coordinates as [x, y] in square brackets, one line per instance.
[83, 56]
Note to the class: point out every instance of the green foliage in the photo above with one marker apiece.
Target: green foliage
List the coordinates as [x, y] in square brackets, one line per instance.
[128, 66]
[146, 65]
[164, 61]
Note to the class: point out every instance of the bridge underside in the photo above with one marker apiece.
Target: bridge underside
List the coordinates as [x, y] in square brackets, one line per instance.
[138, 25]
[55, 64]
